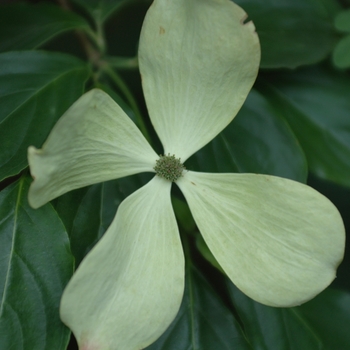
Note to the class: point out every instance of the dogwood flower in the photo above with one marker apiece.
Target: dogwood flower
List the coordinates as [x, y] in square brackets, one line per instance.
[278, 240]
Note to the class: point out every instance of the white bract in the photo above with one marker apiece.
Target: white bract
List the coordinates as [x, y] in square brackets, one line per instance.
[278, 240]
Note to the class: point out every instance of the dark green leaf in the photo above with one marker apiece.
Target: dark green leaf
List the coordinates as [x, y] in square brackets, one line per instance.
[292, 32]
[342, 21]
[206, 253]
[316, 104]
[87, 213]
[183, 214]
[100, 10]
[341, 53]
[257, 141]
[36, 88]
[269, 328]
[36, 264]
[24, 26]
[329, 315]
[67, 206]
[203, 321]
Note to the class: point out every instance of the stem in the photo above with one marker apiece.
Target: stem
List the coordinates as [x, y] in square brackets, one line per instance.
[129, 97]
[64, 4]
[100, 39]
[123, 62]
[92, 54]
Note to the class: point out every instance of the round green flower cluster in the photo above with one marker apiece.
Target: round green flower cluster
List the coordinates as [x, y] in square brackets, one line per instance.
[169, 167]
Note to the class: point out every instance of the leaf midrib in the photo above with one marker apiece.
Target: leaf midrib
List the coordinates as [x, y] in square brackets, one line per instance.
[37, 92]
[8, 272]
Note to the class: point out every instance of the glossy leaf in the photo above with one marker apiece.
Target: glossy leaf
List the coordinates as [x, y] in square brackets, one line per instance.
[203, 322]
[36, 264]
[292, 32]
[67, 206]
[329, 315]
[257, 141]
[316, 104]
[35, 89]
[273, 328]
[24, 26]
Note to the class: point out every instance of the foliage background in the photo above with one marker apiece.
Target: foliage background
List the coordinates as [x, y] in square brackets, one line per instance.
[295, 124]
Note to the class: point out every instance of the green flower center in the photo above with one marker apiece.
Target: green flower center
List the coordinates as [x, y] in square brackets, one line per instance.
[169, 168]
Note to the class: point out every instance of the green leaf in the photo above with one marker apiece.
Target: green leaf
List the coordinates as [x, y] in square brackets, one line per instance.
[183, 215]
[87, 213]
[203, 321]
[206, 253]
[68, 205]
[316, 104]
[329, 315]
[341, 53]
[35, 89]
[257, 141]
[100, 10]
[273, 328]
[24, 26]
[292, 32]
[342, 21]
[36, 264]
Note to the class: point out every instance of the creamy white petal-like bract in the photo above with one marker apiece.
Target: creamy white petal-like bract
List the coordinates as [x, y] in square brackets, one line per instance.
[278, 240]
[129, 287]
[198, 61]
[93, 141]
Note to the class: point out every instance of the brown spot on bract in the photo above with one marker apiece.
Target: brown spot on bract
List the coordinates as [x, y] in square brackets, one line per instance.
[161, 30]
[193, 183]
